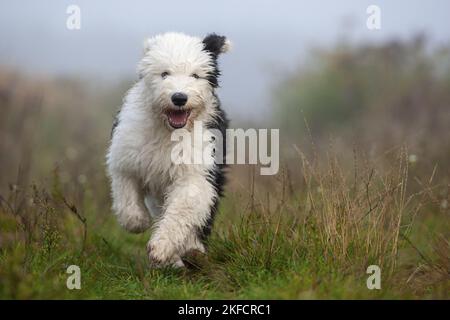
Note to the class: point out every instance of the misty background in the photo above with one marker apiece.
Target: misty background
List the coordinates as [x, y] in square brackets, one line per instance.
[270, 38]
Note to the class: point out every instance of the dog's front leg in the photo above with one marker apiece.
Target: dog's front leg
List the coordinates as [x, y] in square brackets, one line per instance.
[187, 209]
[128, 202]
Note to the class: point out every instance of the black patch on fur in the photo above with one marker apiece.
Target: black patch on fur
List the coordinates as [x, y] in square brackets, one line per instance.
[213, 43]
[216, 176]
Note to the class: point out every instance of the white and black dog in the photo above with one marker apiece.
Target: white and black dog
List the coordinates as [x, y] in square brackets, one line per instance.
[178, 75]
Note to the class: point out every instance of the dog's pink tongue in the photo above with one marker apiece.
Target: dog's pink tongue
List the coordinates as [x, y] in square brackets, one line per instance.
[177, 118]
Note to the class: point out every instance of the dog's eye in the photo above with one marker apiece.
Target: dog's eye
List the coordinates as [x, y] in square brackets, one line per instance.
[164, 74]
[196, 76]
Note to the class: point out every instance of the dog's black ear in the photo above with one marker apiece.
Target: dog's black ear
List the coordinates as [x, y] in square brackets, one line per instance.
[216, 44]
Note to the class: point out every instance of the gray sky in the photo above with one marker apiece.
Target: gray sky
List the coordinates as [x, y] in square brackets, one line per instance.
[270, 37]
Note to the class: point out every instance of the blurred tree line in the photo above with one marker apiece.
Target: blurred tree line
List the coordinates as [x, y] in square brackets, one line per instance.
[376, 95]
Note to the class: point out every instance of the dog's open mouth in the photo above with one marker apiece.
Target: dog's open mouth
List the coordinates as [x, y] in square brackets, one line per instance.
[178, 118]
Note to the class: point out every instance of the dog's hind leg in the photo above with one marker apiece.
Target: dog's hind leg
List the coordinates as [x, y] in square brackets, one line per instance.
[128, 203]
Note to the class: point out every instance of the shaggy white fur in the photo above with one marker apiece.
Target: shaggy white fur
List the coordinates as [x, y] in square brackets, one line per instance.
[144, 180]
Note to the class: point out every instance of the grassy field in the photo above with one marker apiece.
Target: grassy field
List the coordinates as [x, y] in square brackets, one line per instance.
[312, 244]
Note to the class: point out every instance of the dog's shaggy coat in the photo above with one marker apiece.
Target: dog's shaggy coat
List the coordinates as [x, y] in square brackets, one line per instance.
[182, 199]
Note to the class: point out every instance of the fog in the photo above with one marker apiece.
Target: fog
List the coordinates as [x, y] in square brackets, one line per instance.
[270, 38]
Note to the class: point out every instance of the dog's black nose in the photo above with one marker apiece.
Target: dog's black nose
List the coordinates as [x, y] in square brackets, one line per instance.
[179, 99]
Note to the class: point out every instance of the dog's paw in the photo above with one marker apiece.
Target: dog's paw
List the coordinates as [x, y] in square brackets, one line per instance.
[160, 256]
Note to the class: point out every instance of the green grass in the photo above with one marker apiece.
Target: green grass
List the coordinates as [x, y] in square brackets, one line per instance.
[273, 239]
[252, 255]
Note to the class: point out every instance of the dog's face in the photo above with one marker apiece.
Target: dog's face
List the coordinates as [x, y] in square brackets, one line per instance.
[181, 73]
